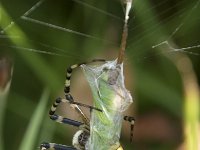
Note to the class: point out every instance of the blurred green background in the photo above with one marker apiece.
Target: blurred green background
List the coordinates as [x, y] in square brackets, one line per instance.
[164, 82]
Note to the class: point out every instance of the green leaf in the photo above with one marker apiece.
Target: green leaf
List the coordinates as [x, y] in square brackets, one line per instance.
[35, 123]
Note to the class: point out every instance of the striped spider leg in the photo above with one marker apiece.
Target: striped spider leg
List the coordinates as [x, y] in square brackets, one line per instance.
[80, 137]
[67, 89]
[131, 120]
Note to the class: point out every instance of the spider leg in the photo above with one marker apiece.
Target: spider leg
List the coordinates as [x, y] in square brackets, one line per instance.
[68, 96]
[132, 122]
[69, 100]
[61, 119]
[55, 146]
[70, 70]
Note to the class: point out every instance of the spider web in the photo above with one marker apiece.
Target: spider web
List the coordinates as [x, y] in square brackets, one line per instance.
[27, 16]
[178, 28]
[168, 40]
[31, 16]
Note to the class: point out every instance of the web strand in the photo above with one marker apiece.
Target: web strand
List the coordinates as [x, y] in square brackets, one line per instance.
[34, 7]
[157, 15]
[44, 52]
[63, 29]
[98, 10]
[7, 27]
[37, 51]
[172, 49]
[131, 19]
[151, 30]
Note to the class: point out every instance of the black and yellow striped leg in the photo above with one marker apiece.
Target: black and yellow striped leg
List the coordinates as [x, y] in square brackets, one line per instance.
[69, 74]
[61, 119]
[132, 122]
[45, 146]
[70, 98]
[74, 105]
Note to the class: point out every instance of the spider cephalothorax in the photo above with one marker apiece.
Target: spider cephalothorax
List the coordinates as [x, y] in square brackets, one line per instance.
[80, 139]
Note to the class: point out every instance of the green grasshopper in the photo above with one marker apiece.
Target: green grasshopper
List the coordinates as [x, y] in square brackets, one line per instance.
[111, 96]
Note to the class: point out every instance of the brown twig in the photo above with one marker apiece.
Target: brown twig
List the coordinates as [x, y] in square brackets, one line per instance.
[125, 33]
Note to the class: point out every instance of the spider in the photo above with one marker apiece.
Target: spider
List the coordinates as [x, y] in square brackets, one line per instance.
[81, 137]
